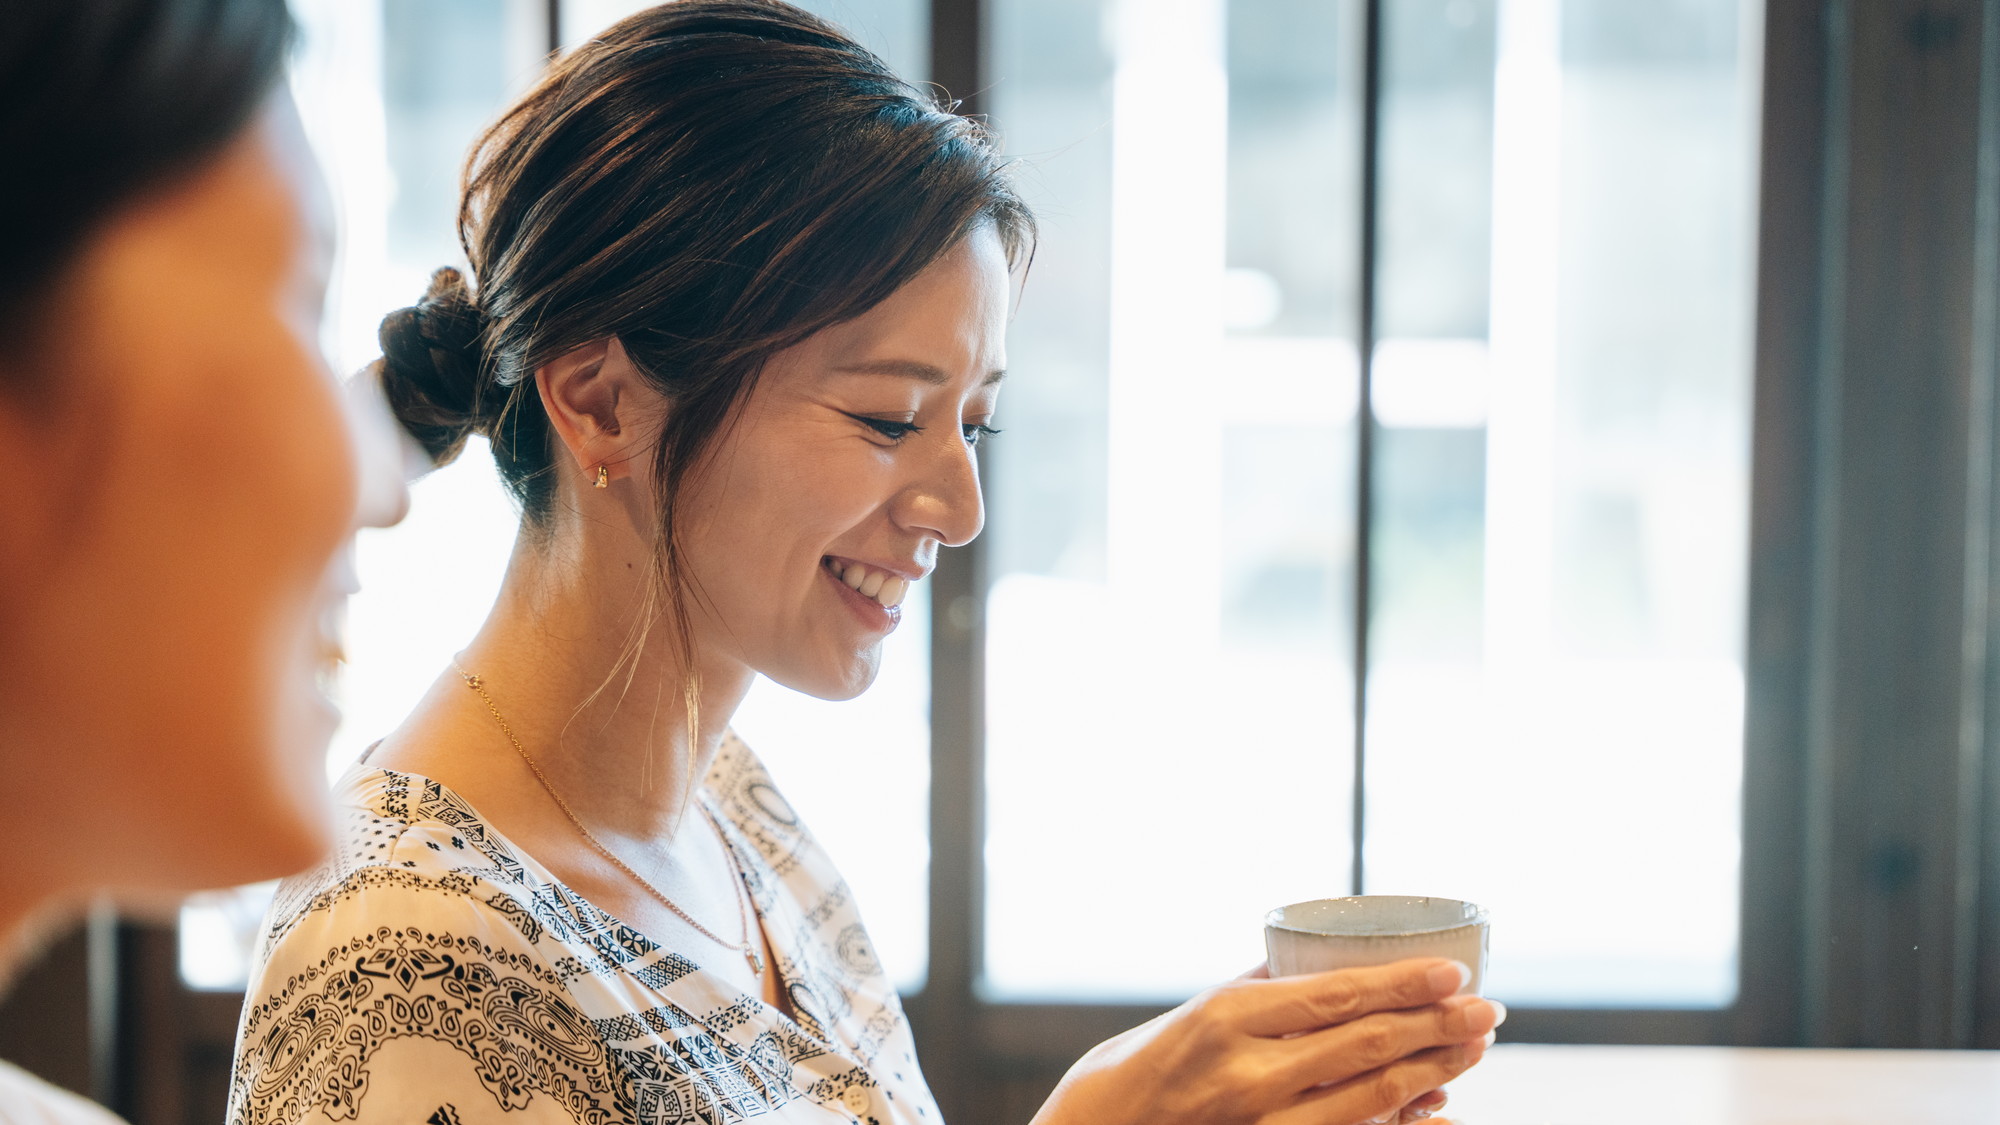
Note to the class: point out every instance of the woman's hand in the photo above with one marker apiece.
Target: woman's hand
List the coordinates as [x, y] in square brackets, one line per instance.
[1339, 1048]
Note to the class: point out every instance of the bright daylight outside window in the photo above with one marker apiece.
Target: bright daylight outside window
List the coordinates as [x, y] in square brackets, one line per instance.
[1172, 532]
[393, 93]
[1562, 388]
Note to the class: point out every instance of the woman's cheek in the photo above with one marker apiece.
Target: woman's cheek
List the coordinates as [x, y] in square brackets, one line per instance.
[314, 481]
[278, 481]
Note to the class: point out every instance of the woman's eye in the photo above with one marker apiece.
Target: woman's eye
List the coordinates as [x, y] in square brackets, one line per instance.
[889, 427]
[896, 429]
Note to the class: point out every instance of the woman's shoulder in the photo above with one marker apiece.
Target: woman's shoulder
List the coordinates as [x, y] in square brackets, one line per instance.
[415, 868]
[744, 788]
[27, 1100]
[417, 947]
[405, 845]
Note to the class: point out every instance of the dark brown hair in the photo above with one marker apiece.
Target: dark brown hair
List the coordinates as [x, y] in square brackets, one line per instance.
[708, 181]
[102, 101]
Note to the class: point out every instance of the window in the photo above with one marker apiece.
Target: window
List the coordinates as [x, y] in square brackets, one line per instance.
[1558, 483]
[1170, 716]
[1595, 689]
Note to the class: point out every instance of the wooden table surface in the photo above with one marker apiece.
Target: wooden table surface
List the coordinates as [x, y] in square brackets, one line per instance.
[1546, 1085]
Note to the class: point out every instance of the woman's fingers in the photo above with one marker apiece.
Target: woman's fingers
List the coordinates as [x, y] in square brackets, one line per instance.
[1379, 1095]
[1422, 1108]
[1323, 1049]
[1315, 1000]
[1337, 1054]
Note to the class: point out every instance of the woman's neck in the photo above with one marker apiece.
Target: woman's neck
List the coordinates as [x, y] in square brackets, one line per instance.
[584, 666]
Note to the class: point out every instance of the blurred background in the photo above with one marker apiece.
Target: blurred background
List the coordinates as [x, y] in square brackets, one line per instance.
[1374, 514]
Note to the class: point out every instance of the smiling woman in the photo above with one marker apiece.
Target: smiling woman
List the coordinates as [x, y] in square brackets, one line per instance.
[740, 304]
[735, 328]
[180, 473]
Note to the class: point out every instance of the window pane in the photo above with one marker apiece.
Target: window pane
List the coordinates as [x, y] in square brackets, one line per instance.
[1556, 697]
[1169, 695]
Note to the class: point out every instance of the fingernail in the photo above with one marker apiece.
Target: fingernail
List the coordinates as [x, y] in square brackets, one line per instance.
[1453, 975]
[1499, 1012]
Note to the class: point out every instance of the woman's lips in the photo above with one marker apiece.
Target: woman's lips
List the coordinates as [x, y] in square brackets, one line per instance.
[872, 612]
[326, 646]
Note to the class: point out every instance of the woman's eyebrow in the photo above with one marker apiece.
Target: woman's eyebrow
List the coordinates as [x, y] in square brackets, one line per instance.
[912, 369]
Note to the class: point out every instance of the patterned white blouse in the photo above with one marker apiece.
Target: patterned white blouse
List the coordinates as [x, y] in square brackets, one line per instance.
[433, 972]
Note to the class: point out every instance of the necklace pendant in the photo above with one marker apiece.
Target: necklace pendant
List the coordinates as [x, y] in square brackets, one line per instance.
[756, 960]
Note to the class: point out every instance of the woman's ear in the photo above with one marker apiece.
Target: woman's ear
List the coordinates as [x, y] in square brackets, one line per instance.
[599, 405]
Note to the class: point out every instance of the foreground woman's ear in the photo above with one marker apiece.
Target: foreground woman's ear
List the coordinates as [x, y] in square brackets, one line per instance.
[600, 406]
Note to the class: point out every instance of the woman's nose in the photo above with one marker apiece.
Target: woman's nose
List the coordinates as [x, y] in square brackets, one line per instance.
[388, 457]
[944, 501]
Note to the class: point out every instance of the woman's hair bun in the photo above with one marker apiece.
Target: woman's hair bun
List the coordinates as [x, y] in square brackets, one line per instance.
[434, 369]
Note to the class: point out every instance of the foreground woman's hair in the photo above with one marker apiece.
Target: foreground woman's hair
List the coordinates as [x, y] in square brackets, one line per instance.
[103, 100]
[179, 474]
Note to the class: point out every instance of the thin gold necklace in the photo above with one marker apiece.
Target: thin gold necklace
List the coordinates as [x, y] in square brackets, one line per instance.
[747, 947]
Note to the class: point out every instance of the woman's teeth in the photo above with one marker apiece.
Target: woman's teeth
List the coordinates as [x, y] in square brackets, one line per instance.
[328, 658]
[880, 585]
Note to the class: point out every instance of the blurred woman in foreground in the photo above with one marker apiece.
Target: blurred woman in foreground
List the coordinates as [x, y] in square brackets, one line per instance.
[178, 471]
[738, 325]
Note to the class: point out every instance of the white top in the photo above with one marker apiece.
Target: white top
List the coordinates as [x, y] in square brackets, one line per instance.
[434, 972]
[27, 1100]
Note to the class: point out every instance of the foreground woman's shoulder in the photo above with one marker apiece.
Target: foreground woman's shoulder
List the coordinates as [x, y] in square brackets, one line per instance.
[27, 1100]
[408, 979]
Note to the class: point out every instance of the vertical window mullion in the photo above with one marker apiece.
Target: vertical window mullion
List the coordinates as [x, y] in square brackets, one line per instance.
[1364, 475]
[948, 1009]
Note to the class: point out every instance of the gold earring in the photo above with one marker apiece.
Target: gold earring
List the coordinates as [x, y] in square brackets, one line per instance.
[603, 477]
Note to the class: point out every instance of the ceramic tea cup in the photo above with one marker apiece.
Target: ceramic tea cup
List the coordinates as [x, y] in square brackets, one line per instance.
[1351, 933]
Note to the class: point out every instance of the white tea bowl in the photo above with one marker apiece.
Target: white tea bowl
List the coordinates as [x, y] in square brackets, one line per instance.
[1364, 930]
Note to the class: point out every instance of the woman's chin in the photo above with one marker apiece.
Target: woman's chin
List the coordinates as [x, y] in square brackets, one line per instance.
[836, 683]
[290, 830]
[306, 729]
[296, 804]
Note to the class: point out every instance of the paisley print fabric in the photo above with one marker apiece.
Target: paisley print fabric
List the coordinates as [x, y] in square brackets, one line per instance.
[431, 972]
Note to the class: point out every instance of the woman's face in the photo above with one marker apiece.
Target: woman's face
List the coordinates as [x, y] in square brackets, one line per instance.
[176, 490]
[850, 464]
